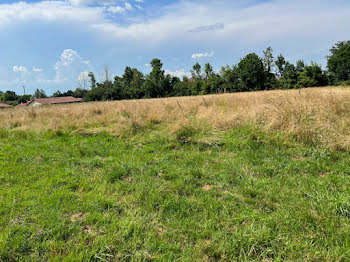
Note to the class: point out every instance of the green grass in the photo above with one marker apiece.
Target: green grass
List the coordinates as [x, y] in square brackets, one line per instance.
[244, 195]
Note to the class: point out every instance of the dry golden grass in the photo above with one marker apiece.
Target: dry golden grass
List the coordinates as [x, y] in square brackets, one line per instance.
[314, 115]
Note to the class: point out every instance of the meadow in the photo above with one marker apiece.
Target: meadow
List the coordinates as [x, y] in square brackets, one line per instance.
[259, 176]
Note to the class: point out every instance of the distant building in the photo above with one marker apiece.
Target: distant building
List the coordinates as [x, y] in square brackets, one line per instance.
[53, 101]
[3, 105]
[21, 105]
[191, 80]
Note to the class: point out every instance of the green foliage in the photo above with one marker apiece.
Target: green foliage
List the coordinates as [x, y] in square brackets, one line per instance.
[251, 73]
[39, 93]
[280, 64]
[9, 96]
[157, 84]
[268, 60]
[197, 71]
[339, 61]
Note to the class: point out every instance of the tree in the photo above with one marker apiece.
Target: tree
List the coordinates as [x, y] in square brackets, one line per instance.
[280, 64]
[289, 76]
[131, 82]
[23, 99]
[316, 74]
[57, 94]
[60, 94]
[230, 79]
[92, 80]
[80, 93]
[300, 66]
[9, 96]
[156, 83]
[251, 72]
[339, 61]
[208, 70]
[268, 59]
[197, 71]
[39, 93]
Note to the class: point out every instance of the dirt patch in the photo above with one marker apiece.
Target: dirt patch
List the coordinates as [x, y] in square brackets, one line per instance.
[128, 179]
[89, 230]
[323, 175]
[77, 216]
[207, 187]
[298, 158]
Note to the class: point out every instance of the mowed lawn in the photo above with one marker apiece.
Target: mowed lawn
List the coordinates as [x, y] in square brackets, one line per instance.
[244, 196]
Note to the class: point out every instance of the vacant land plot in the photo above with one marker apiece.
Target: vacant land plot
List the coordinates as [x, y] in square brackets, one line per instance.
[250, 177]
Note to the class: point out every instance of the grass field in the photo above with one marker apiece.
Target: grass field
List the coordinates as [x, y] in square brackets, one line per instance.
[239, 177]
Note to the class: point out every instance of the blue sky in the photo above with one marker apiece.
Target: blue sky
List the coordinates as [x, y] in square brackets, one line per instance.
[52, 44]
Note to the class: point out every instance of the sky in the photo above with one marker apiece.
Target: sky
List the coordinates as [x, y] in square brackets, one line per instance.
[52, 45]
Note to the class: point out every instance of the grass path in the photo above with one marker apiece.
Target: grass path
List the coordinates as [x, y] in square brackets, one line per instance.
[246, 196]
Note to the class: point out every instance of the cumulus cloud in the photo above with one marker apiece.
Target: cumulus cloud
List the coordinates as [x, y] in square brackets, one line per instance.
[178, 73]
[68, 67]
[83, 76]
[203, 55]
[21, 69]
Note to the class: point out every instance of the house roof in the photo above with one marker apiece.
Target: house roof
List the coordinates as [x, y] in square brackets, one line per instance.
[4, 105]
[21, 105]
[56, 100]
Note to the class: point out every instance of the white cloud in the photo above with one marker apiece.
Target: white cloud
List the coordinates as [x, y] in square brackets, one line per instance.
[83, 76]
[89, 2]
[139, 1]
[21, 69]
[204, 28]
[203, 55]
[116, 9]
[244, 21]
[128, 6]
[178, 73]
[68, 67]
[37, 70]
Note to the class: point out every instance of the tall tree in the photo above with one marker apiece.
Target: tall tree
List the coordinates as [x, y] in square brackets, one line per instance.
[154, 86]
[280, 64]
[339, 61]
[230, 78]
[208, 70]
[268, 59]
[39, 93]
[92, 80]
[252, 72]
[196, 71]
[300, 66]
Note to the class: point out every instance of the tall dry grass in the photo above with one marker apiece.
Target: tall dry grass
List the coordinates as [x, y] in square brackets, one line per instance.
[314, 115]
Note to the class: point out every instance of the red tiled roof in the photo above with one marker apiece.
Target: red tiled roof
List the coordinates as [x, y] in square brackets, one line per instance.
[191, 80]
[56, 100]
[4, 105]
[21, 105]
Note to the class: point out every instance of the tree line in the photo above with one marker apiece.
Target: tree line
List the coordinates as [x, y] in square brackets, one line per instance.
[252, 73]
